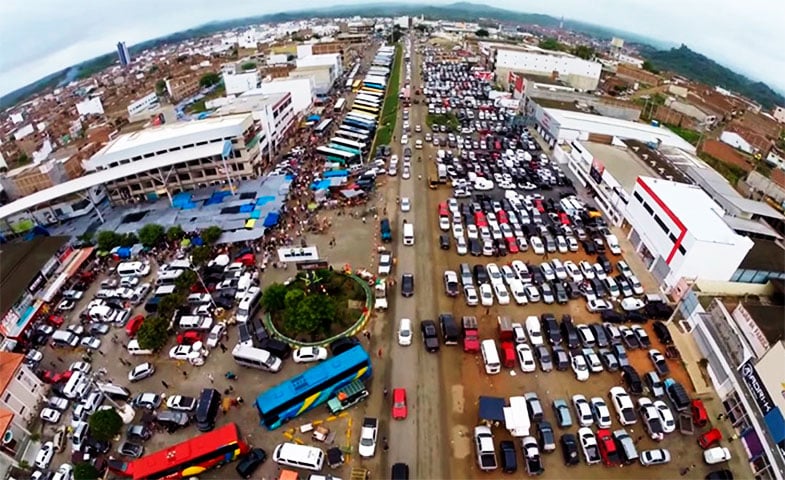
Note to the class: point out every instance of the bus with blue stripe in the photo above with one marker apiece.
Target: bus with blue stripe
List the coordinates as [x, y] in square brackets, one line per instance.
[362, 131]
[313, 387]
[323, 126]
[353, 144]
[338, 155]
[377, 86]
[342, 148]
[356, 122]
[357, 137]
[361, 120]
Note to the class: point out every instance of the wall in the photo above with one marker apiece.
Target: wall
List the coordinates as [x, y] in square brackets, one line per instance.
[766, 186]
[240, 82]
[579, 73]
[726, 153]
[91, 106]
[23, 394]
[736, 289]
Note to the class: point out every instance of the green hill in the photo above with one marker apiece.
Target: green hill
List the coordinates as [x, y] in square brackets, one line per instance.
[698, 67]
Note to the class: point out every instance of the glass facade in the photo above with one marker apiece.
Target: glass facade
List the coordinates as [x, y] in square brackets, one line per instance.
[755, 276]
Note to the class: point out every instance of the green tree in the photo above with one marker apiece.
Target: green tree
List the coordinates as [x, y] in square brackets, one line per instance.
[108, 239]
[105, 424]
[209, 79]
[248, 65]
[210, 235]
[201, 255]
[154, 333]
[151, 234]
[274, 297]
[293, 298]
[175, 233]
[550, 44]
[186, 280]
[649, 67]
[86, 237]
[85, 471]
[313, 313]
[129, 239]
[170, 303]
[583, 51]
[482, 33]
[160, 87]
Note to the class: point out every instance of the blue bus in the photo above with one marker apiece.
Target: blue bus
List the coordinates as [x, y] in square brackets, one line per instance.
[344, 148]
[357, 137]
[362, 131]
[313, 387]
[362, 122]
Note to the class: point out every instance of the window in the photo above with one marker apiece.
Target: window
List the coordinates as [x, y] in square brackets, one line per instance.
[7, 397]
[672, 237]
[682, 250]
[648, 208]
[661, 224]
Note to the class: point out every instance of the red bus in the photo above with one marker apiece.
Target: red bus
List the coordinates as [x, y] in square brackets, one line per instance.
[188, 458]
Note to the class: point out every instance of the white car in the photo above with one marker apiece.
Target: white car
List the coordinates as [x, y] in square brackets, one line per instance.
[586, 270]
[472, 232]
[602, 415]
[578, 364]
[599, 272]
[547, 271]
[537, 246]
[525, 357]
[82, 367]
[637, 288]
[596, 305]
[44, 456]
[716, 455]
[460, 246]
[180, 352]
[624, 407]
[65, 305]
[509, 274]
[405, 333]
[502, 295]
[518, 292]
[64, 472]
[91, 343]
[367, 447]
[534, 330]
[181, 403]
[471, 295]
[532, 293]
[486, 295]
[140, 372]
[216, 334]
[406, 174]
[494, 273]
[406, 204]
[666, 415]
[50, 415]
[651, 419]
[444, 223]
[659, 456]
[573, 271]
[631, 304]
[309, 354]
[385, 263]
[457, 230]
[582, 410]
[589, 445]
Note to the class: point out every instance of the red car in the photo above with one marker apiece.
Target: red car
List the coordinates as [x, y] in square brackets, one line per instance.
[608, 450]
[133, 325]
[710, 438]
[56, 377]
[508, 355]
[501, 217]
[443, 210]
[699, 416]
[512, 245]
[399, 408]
[189, 337]
[55, 320]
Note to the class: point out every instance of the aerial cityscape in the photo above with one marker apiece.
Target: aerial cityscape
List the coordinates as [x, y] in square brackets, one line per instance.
[399, 240]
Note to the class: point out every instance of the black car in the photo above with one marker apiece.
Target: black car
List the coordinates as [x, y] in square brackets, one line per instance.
[600, 336]
[662, 333]
[569, 449]
[588, 246]
[475, 247]
[611, 316]
[407, 284]
[561, 293]
[605, 263]
[400, 471]
[635, 317]
[508, 457]
[569, 332]
[545, 437]
[481, 274]
[276, 347]
[250, 462]
[430, 336]
[720, 475]
[131, 449]
[632, 379]
[444, 242]
[342, 344]
[560, 358]
[551, 327]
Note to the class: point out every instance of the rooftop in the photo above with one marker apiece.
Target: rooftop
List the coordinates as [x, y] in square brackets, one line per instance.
[694, 208]
[250, 103]
[620, 162]
[21, 263]
[765, 255]
[9, 363]
[754, 227]
[624, 129]
[769, 320]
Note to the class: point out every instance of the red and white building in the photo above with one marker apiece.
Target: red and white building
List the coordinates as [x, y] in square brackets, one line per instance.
[679, 232]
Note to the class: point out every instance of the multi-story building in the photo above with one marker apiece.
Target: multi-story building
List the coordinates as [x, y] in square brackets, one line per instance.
[574, 71]
[240, 82]
[138, 107]
[21, 391]
[679, 232]
[176, 157]
[326, 48]
[182, 87]
[301, 90]
[29, 179]
[123, 54]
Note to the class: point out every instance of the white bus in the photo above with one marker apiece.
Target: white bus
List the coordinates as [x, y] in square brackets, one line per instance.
[253, 357]
[357, 137]
[339, 105]
[349, 143]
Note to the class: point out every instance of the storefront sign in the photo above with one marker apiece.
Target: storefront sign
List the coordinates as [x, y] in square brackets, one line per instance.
[38, 281]
[756, 387]
[312, 265]
[303, 254]
[751, 331]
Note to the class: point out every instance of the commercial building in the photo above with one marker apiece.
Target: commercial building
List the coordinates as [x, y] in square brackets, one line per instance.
[301, 90]
[544, 90]
[123, 54]
[574, 71]
[29, 179]
[679, 232]
[237, 83]
[176, 157]
[182, 87]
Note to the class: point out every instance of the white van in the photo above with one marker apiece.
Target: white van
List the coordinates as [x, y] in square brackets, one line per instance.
[408, 234]
[195, 322]
[133, 269]
[72, 387]
[64, 338]
[249, 305]
[169, 277]
[490, 357]
[299, 456]
[135, 349]
[250, 356]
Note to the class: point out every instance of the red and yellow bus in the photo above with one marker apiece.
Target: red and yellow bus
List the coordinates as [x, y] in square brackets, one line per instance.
[188, 458]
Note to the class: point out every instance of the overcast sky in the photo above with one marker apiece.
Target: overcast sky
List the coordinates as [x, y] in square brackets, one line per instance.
[39, 37]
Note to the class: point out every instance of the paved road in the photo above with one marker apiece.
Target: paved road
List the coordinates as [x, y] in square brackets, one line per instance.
[417, 441]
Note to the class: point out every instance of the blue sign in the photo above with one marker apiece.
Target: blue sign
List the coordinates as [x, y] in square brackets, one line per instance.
[227, 149]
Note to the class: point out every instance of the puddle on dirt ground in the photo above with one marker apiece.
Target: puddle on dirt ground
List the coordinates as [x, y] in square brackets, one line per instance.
[460, 438]
[458, 400]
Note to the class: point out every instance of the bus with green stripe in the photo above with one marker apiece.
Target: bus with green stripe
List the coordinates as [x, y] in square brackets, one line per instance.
[339, 155]
[313, 387]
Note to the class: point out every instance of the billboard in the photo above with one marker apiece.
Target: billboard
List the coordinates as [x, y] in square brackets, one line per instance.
[596, 171]
[301, 254]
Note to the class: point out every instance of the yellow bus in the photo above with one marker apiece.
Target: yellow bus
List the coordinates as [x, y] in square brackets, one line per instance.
[356, 85]
[366, 108]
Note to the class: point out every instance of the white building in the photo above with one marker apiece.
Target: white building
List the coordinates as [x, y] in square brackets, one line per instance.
[576, 72]
[148, 102]
[17, 118]
[779, 114]
[21, 390]
[737, 141]
[237, 83]
[630, 60]
[273, 113]
[323, 60]
[679, 232]
[90, 106]
[22, 132]
[301, 89]
[175, 157]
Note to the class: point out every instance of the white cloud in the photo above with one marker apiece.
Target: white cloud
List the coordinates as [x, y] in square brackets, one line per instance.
[38, 37]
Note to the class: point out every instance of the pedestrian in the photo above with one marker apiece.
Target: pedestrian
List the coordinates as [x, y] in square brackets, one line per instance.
[380, 353]
[101, 353]
[231, 388]
[385, 445]
[185, 374]
[385, 392]
[720, 416]
[210, 377]
[639, 439]
[166, 385]
[223, 347]
[683, 471]
[487, 310]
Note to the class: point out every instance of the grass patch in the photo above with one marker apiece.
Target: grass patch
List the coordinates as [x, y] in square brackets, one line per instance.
[199, 107]
[732, 173]
[448, 119]
[691, 136]
[390, 110]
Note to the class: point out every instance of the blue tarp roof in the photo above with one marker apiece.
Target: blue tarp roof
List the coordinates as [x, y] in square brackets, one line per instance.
[321, 185]
[336, 173]
[271, 220]
[491, 408]
[314, 118]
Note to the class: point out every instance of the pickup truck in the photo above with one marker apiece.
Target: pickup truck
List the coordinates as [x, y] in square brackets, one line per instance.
[486, 452]
[471, 337]
[532, 454]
